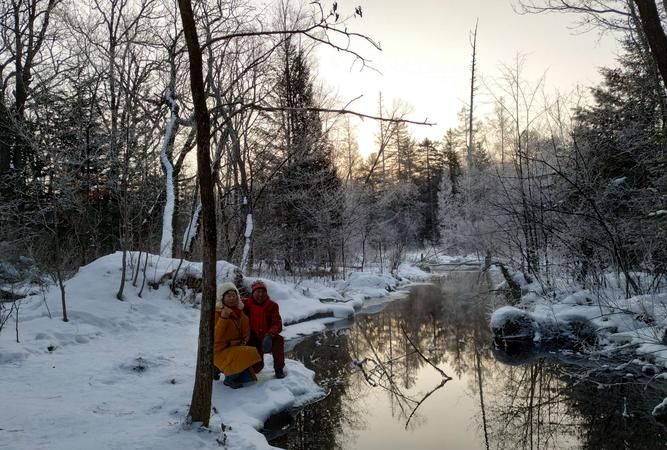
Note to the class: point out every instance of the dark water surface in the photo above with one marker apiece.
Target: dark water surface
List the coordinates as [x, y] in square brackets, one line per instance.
[386, 394]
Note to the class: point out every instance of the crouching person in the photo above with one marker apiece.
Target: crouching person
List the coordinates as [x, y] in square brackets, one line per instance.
[231, 355]
[265, 327]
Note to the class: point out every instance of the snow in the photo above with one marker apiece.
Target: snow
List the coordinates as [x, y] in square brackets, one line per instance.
[307, 328]
[248, 226]
[413, 273]
[661, 409]
[120, 374]
[454, 260]
[637, 322]
[364, 285]
[167, 240]
[505, 314]
[247, 235]
[191, 229]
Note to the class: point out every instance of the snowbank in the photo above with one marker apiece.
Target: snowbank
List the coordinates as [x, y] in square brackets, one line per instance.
[605, 319]
[119, 374]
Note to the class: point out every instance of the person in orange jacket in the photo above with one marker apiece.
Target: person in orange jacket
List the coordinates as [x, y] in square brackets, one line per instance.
[231, 354]
[265, 327]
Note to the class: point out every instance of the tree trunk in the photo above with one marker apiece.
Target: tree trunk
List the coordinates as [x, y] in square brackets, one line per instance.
[472, 99]
[167, 241]
[59, 273]
[121, 288]
[5, 136]
[655, 35]
[200, 406]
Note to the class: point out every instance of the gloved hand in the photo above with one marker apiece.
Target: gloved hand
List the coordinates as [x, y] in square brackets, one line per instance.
[267, 344]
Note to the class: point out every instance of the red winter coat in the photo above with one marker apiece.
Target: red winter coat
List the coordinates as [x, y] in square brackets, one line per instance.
[264, 319]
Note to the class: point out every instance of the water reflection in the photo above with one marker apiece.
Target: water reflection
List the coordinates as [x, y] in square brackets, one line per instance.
[389, 385]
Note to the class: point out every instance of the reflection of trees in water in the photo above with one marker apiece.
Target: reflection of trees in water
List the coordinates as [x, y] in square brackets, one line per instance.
[428, 328]
[600, 400]
[546, 404]
[385, 339]
[320, 426]
[528, 411]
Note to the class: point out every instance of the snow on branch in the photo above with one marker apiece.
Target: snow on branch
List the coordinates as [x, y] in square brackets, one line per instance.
[166, 243]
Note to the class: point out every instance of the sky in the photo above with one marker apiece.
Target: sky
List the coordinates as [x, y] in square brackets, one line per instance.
[426, 55]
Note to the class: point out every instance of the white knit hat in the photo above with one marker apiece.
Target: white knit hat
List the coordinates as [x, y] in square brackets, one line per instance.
[220, 292]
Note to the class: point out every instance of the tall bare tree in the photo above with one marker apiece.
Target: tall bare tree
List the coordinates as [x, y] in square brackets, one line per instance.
[200, 406]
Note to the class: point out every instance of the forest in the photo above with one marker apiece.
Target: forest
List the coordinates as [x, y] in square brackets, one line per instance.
[201, 132]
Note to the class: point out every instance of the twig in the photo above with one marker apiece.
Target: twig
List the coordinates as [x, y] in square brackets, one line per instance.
[444, 375]
[442, 383]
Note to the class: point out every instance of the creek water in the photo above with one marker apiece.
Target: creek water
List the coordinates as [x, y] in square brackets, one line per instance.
[423, 373]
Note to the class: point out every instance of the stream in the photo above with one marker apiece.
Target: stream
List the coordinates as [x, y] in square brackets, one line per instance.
[423, 373]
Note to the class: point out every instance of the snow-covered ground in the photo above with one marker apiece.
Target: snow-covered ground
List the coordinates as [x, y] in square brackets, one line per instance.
[601, 323]
[435, 256]
[637, 323]
[119, 374]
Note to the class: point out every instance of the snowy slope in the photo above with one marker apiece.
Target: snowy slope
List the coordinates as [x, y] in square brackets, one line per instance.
[119, 375]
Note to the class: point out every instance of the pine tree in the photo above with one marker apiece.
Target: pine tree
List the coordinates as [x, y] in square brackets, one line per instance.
[618, 165]
[307, 200]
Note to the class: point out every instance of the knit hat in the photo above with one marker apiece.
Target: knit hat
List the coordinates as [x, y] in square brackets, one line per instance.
[259, 284]
[220, 292]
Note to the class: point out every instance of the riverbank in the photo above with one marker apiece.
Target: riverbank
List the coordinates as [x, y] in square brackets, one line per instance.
[119, 374]
[601, 323]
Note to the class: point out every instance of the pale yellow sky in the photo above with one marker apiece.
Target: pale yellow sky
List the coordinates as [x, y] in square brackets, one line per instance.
[426, 56]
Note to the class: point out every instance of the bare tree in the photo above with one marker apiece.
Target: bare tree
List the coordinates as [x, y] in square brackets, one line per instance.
[200, 406]
[24, 30]
[473, 89]
[617, 15]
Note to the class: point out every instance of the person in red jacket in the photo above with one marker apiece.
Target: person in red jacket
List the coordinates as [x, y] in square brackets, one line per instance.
[265, 327]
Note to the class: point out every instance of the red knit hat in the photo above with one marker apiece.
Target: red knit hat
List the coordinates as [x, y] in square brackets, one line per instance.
[259, 284]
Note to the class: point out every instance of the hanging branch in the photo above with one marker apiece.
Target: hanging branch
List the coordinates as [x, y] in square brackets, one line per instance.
[254, 106]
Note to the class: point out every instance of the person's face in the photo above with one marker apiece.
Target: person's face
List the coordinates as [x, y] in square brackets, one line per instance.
[229, 299]
[259, 295]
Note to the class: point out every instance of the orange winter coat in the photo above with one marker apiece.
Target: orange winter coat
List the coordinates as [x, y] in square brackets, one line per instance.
[230, 354]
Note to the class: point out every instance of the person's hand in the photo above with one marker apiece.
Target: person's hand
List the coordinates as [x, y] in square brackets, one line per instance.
[267, 343]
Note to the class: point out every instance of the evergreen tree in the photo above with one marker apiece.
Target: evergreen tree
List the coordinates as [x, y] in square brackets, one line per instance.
[307, 200]
[618, 166]
[452, 161]
[430, 169]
